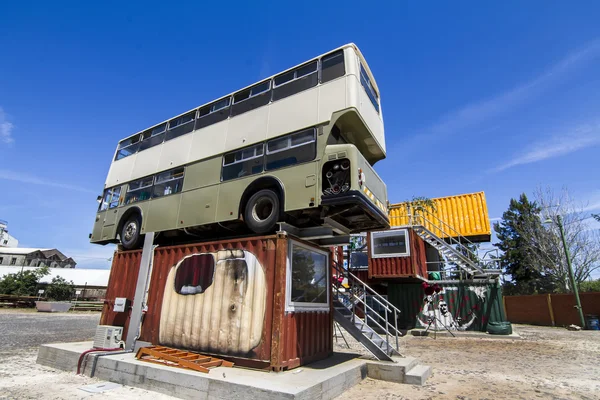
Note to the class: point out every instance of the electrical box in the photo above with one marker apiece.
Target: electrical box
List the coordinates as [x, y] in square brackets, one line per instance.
[108, 337]
[120, 304]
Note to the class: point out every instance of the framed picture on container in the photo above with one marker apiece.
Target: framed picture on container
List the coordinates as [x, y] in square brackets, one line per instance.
[392, 243]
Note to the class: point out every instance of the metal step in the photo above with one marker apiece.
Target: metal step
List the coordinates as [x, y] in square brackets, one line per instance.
[359, 335]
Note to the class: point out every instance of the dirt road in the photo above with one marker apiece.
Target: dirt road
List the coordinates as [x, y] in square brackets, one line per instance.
[549, 363]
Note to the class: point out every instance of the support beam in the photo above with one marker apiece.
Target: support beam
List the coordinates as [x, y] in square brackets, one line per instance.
[140, 291]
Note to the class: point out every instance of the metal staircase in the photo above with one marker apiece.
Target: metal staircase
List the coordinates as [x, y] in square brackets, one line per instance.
[378, 333]
[454, 247]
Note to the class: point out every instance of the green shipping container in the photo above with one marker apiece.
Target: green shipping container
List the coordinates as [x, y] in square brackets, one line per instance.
[461, 306]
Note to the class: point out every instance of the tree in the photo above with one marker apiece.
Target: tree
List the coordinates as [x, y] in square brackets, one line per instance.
[596, 216]
[23, 283]
[59, 289]
[583, 243]
[517, 260]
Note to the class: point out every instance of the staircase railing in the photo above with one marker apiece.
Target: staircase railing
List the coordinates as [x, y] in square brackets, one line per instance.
[423, 217]
[389, 309]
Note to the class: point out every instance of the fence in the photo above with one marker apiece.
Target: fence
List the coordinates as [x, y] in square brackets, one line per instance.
[550, 309]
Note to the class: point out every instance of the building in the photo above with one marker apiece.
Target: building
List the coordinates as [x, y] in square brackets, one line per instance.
[32, 257]
[431, 247]
[6, 240]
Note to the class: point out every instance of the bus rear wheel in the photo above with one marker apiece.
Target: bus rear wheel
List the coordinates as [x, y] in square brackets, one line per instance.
[131, 236]
[262, 211]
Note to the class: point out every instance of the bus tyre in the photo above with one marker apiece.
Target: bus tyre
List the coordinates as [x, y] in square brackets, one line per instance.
[262, 211]
[130, 233]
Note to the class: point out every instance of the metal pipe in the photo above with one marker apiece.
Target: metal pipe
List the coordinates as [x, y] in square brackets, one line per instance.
[105, 354]
[570, 269]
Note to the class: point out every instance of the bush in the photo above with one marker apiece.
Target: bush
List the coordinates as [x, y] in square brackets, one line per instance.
[59, 289]
[24, 283]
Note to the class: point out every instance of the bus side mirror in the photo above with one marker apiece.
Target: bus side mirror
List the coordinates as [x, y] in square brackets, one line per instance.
[99, 199]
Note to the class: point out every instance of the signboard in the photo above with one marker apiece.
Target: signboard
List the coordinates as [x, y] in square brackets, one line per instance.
[41, 291]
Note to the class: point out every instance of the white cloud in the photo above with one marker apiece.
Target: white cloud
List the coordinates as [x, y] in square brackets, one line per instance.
[34, 180]
[6, 128]
[559, 145]
[477, 113]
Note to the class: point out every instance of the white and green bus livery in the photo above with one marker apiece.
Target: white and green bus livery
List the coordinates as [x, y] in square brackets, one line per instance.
[297, 147]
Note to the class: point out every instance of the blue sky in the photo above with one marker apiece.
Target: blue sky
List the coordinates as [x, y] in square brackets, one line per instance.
[499, 98]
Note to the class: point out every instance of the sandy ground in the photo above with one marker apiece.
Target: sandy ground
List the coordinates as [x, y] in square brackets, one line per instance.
[548, 363]
[22, 331]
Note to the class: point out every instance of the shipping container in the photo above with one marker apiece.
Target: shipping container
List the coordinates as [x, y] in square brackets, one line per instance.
[261, 302]
[464, 214]
[465, 305]
[397, 253]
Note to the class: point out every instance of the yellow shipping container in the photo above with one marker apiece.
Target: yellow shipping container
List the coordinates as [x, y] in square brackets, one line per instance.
[463, 214]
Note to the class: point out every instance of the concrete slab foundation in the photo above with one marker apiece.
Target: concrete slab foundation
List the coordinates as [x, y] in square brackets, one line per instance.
[324, 379]
[465, 334]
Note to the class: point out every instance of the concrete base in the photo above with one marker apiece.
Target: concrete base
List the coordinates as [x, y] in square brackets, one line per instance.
[464, 334]
[324, 379]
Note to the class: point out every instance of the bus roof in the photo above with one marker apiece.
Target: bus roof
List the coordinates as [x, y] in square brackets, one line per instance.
[351, 45]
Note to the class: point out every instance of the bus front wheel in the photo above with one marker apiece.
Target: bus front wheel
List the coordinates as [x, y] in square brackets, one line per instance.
[131, 237]
[262, 211]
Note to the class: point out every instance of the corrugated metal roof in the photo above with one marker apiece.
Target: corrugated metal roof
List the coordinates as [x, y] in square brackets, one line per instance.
[20, 250]
[79, 276]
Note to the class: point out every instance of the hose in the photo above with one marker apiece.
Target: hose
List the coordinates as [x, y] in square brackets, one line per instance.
[91, 351]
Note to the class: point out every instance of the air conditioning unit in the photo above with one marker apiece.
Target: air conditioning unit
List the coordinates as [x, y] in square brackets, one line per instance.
[108, 337]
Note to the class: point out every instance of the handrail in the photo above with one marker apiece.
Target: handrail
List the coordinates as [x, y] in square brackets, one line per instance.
[365, 286]
[441, 221]
[386, 305]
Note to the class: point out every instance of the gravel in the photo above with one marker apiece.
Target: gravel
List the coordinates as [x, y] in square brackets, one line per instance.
[24, 329]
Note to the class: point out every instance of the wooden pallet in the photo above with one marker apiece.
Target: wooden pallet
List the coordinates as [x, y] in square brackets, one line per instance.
[180, 359]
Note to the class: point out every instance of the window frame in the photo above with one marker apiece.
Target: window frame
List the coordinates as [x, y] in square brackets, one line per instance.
[369, 87]
[251, 95]
[194, 113]
[295, 71]
[392, 232]
[294, 306]
[290, 145]
[155, 182]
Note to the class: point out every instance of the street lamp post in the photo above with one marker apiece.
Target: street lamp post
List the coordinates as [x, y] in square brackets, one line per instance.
[570, 269]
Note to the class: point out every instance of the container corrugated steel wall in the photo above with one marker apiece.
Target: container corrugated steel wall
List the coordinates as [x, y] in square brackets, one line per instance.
[413, 266]
[466, 214]
[476, 303]
[121, 283]
[279, 341]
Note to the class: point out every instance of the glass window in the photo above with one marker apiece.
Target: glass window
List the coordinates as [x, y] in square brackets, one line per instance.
[139, 190]
[260, 88]
[105, 200]
[366, 84]
[286, 77]
[243, 95]
[204, 111]
[168, 182]
[278, 144]
[219, 105]
[393, 243]
[13, 261]
[159, 129]
[308, 277]
[242, 163]
[307, 69]
[303, 137]
[332, 66]
[291, 149]
[114, 201]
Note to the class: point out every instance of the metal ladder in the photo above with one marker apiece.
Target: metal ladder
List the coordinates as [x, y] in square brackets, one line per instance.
[383, 343]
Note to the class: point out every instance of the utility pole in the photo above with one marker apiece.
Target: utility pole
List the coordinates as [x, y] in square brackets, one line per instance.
[570, 268]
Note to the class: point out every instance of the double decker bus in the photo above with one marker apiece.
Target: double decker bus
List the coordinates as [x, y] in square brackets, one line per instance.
[297, 147]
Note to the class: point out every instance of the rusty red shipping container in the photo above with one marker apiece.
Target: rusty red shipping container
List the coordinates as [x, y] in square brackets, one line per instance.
[227, 298]
[413, 265]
